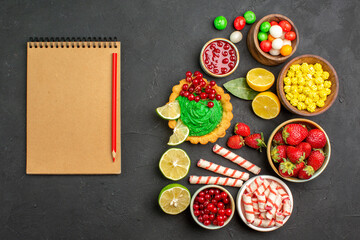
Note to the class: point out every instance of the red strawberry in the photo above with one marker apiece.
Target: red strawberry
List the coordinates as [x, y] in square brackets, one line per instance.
[242, 129]
[235, 142]
[294, 133]
[316, 159]
[286, 168]
[306, 172]
[295, 155]
[278, 153]
[305, 147]
[298, 167]
[316, 138]
[255, 140]
[278, 139]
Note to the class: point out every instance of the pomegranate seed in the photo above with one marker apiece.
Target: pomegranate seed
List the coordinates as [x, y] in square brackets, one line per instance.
[220, 205]
[197, 99]
[196, 207]
[188, 74]
[211, 96]
[218, 97]
[224, 195]
[212, 83]
[196, 73]
[221, 212]
[203, 96]
[207, 222]
[196, 213]
[228, 212]
[191, 97]
[186, 94]
[185, 87]
[189, 79]
[200, 218]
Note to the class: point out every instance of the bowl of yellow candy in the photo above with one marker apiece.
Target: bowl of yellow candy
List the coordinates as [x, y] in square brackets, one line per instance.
[307, 85]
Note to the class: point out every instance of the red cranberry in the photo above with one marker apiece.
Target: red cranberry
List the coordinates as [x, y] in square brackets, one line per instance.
[206, 211]
[220, 205]
[215, 222]
[211, 191]
[212, 83]
[216, 71]
[207, 196]
[217, 191]
[232, 52]
[220, 43]
[196, 207]
[196, 82]
[197, 99]
[188, 74]
[196, 213]
[202, 83]
[182, 93]
[211, 217]
[210, 206]
[225, 53]
[201, 199]
[211, 96]
[199, 76]
[208, 90]
[227, 46]
[213, 91]
[218, 97]
[191, 97]
[210, 104]
[226, 200]
[214, 210]
[206, 203]
[191, 89]
[207, 222]
[224, 195]
[201, 206]
[200, 218]
[220, 218]
[205, 217]
[221, 212]
[228, 212]
[225, 218]
[201, 194]
[203, 95]
[217, 196]
[189, 79]
[214, 201]
[202, 212]
[220, 223]
[186, 94]
[231, 65]
[196, 73]
[185, 87]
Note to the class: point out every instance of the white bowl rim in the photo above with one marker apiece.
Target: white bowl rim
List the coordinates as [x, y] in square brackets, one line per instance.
[242, 190]
[212, 227]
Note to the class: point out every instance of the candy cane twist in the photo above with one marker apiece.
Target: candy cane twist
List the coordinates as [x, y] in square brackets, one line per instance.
[222, 170]
[263, 223]
[261, 201]
[272, 196]
[255, 205]
[215, 180]
[236, 159]
[248, 206]
[254, 185]
[287, 207]
[270, 214]
[263, 187]
[282, 192]
[279, 219]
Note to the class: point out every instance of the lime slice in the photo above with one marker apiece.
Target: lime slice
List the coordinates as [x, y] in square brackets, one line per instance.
[174, 164]
[174, 198]
[180, 133]
[169, 111]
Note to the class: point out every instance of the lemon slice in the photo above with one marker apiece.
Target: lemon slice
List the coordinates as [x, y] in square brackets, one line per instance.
[180, 133]
[174, 198]
[174, 164]
[169, 111]
[266, 105]
[260, 79]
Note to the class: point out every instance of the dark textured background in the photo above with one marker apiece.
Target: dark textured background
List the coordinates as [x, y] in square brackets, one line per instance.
[161, 40]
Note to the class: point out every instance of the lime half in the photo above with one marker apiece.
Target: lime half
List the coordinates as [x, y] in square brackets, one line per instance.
[174, 198]
[174, 164]
[180, 133]
[169, 111]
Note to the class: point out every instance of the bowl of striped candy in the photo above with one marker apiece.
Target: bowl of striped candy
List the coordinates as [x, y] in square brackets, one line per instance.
[264, 203]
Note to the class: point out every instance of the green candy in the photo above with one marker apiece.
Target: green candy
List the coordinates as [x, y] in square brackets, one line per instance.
[262, 36]
[265, 27]
[250, 17]
[220, 23]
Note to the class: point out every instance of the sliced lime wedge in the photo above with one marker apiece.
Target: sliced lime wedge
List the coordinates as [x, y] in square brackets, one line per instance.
[180, 134]
[174, 164]
[174, 198]
[169, 111]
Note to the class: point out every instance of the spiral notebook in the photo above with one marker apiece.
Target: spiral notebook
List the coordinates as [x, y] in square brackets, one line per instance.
[69, 107]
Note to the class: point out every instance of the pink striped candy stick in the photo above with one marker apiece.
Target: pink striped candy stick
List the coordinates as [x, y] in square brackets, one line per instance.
[222, 170]
[282, 192]
[215, 180]
[261, 202]
[270, 214]
[263, 187]
[255, 205]
[279, 219]
[264, 223]
[248, 206]
[236, 159]
[272, 195]
[287, 207]
[254, 185]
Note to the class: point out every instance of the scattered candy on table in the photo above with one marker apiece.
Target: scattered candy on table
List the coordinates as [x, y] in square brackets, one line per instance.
[306, 86]
[250, 17]
[236, 37]
[239, 23]
[229, 172]
[220, 23]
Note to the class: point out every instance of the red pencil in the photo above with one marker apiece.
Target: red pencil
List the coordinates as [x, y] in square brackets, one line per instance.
[114, 95]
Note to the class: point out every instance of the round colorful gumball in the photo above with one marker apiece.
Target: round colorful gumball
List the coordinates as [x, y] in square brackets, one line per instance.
[236, 36]
[265, 27]
[285, 25]
[276, 31]
[286, 42]
[283, 35]
[271, 38]
[262, 36]
[290, 35]
[239, 23]
[277, 44]
[220, 23]
[272, 23]
[274, 52]
[265, 46]
[250, 17]
[286, 50]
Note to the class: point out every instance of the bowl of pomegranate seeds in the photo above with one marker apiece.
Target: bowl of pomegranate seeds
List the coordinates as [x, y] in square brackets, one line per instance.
[212, 207]
[219, 57]
[264, 203]
[298, 150]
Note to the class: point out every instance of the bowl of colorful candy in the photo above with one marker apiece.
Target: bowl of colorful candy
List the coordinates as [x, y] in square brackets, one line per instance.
[219, 57]
[264, 203]
[273, 39]
[212, 207]
[307, 85]
[298, 150]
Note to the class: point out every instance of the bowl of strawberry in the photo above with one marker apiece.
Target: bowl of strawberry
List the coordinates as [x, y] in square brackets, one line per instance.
[212, 207]
[298, 150]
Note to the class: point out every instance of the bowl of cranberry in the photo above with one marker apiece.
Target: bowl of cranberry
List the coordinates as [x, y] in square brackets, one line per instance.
[212, 207]
[219, 57]
[298, 150]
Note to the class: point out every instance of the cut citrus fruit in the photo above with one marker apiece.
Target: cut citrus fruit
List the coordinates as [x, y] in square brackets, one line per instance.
[174, 164]
[174, 198]
[266, 105]
[180, 133]
[169, 111]
[260, 79]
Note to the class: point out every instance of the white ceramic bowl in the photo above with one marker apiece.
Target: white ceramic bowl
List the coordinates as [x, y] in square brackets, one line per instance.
[212, 227]
[240, 207]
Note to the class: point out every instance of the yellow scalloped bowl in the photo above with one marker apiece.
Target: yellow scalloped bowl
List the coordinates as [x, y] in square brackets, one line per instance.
[225, 123]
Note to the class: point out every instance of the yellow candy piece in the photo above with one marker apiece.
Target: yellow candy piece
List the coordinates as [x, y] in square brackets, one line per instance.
[301, 97]
[301, 81]
[311, 107]
[294, 102]
[289, 96]
[320, 86]
[317, 66]
[308, 101]
[300, 89]
[322, 94]
[327, 84]
[287, 89]
[319, 80]
[327, 91]
[320, 103]
[287, 80]
[325, 75]
[294, 80]
[314, 88]
[306, 90]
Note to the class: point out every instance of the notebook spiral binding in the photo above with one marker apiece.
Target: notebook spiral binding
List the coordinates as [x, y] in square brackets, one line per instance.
[74, 42]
